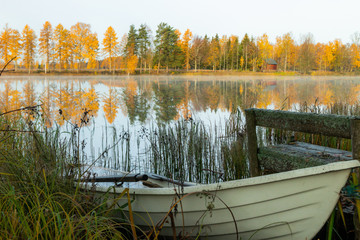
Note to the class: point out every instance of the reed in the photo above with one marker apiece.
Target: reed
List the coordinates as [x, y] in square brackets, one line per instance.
[191, 151]
[38, 199]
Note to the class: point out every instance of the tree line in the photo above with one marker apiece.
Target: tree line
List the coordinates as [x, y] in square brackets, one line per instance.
[58, 48]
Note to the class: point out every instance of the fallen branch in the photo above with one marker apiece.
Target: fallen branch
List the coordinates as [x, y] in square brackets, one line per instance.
[21, 109]
[3, 69]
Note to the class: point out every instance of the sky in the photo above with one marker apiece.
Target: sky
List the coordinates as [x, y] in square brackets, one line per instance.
[327, 20]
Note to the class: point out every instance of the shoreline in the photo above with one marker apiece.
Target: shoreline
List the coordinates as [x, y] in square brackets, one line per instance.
[172, 73]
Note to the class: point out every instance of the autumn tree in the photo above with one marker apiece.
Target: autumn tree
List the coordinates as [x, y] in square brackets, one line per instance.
[265, 49]
[185, 47]
[284, 50]
[143, 45]
[132, 62]
[79, 36]
[85, 45]
[319, 55]
[342, 57]
[214, 52]
[223, 51]
[5, 36]
[249, 51]
[111, 45]
[9, 44]
[91, 50]
[46, 43]
[197, 51]
[234, 52]
[62, 46]
[306, 57]
[28, 39]
[15, 45]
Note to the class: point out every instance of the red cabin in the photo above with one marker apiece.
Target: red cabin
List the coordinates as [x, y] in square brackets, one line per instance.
[270, 64]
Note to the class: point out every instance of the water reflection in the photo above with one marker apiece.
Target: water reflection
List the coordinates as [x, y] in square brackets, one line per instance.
[129, 103]
[166, 99]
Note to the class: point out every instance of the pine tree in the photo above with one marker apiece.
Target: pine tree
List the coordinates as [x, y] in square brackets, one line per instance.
[132, 42]
[143, 44]
[165, 45]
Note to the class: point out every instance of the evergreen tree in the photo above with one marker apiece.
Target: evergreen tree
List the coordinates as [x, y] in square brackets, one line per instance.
[165, 45]
[132, 42]
[245, 47]
[143, 44]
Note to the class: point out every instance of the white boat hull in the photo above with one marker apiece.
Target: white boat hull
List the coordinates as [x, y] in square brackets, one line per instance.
[288, 205]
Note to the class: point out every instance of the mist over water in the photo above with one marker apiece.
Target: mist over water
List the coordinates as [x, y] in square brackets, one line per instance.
[125, 110]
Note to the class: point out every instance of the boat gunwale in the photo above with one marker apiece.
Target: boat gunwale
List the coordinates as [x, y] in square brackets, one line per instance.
[265, 179]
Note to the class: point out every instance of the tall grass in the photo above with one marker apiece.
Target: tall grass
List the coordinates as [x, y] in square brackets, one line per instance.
[189, 150]
[38, 198]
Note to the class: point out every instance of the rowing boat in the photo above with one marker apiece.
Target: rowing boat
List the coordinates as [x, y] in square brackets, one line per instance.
[287, 205]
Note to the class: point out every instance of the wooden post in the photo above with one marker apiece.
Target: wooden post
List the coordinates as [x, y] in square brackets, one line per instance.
[252, 142]
[355, 146]
[355, 138]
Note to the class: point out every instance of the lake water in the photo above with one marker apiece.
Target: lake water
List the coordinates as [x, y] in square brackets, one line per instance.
[123, 108]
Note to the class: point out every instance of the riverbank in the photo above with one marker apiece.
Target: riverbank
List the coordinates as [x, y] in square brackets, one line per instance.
[174, 72]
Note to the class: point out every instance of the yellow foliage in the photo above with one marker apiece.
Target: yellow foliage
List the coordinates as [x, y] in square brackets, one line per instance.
[185, 47]
[265, 48]
[28, 45]
[284, 50]
[111, 45]
[45, 41]
[62, 46]
[355, 56]
[131, 64]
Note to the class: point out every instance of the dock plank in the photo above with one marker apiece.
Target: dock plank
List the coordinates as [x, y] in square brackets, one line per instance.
[286, 157]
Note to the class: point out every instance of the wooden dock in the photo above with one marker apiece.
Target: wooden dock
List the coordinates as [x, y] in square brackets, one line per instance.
[285, 157]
